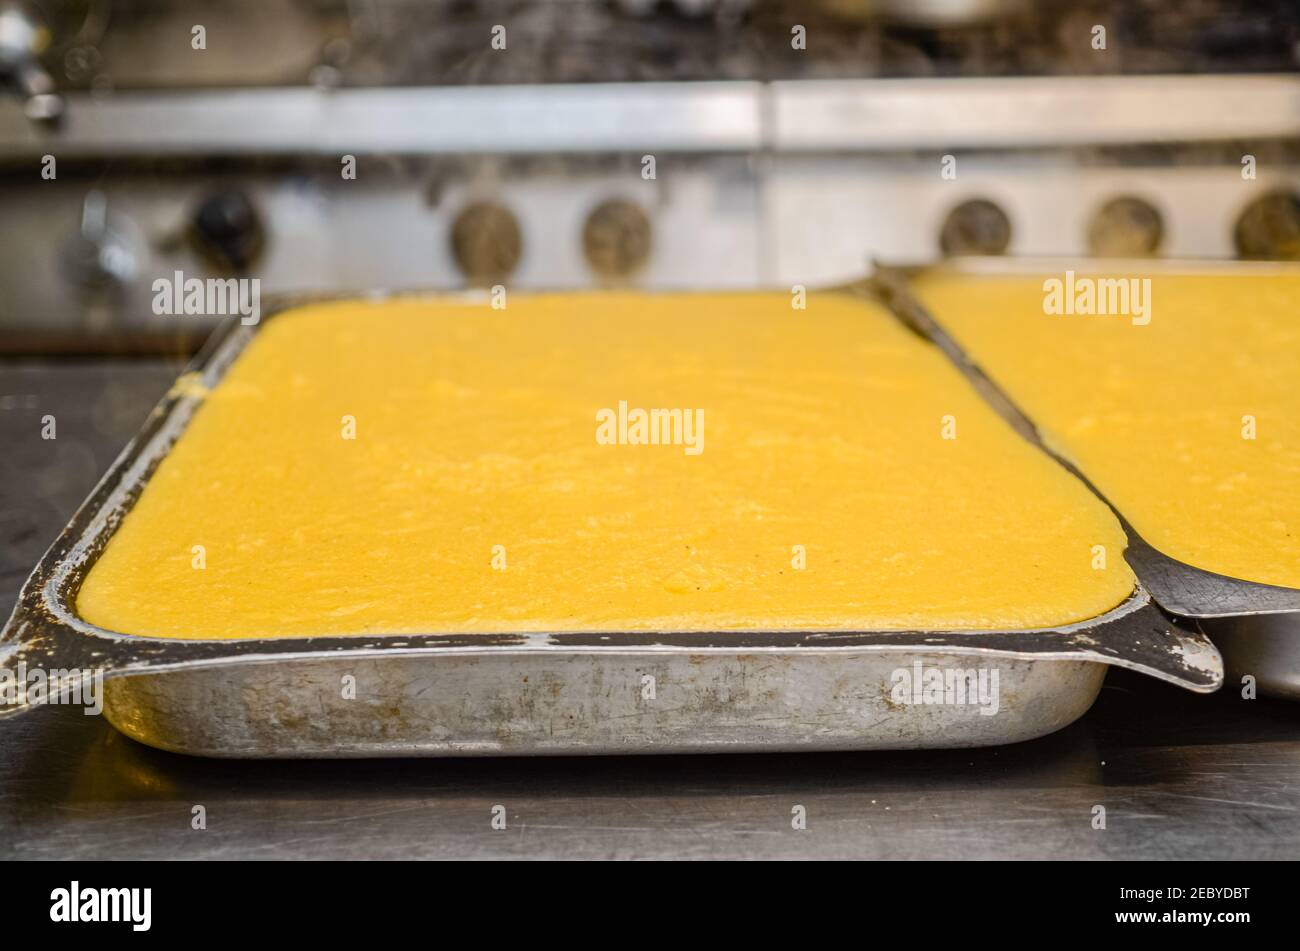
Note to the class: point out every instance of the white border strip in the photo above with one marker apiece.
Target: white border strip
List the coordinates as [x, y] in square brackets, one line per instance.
[849, 115]
[1027, 112]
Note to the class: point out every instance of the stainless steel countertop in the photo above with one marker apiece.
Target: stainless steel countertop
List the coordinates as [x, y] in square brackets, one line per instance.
[1181, 776]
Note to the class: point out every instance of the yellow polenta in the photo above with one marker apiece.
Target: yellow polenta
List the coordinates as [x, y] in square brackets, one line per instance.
[1189, 424]
[437, 465]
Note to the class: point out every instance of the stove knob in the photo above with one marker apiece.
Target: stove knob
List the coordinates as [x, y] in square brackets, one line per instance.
[227, 230]
[1269, 228]
[616, 239]
[975, 227]
[1125, 227]
[486, 242]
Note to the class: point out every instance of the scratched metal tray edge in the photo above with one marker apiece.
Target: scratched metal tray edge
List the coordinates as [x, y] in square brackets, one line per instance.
[721, 706]
[1255, 625]
[45, 632]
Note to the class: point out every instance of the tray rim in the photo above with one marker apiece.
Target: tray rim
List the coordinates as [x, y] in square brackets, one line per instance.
[45, 627]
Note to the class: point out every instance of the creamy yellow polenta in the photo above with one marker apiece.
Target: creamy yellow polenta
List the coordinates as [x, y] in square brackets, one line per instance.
[437, 465]
[1187, 418]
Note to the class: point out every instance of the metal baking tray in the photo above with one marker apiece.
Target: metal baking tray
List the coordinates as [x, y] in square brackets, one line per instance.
[1256, 626]
[442, 694]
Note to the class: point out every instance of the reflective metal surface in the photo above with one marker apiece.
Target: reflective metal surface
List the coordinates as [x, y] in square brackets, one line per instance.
[822, 116]
[1031, 111]
[561, 702]
[304, 121]
[1264, 647]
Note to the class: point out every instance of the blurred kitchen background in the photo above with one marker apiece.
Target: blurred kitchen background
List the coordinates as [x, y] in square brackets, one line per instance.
[791, 143]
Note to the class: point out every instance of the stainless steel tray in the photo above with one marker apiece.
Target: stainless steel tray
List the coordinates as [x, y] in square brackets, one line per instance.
[558, 692]
[1257, 626]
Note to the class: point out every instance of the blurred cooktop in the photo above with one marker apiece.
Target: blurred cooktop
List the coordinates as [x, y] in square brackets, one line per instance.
[97, 43]
[322, 146]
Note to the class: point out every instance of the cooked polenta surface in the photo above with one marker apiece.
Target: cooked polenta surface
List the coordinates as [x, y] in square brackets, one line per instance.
[1186, 417]
[600, 462]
